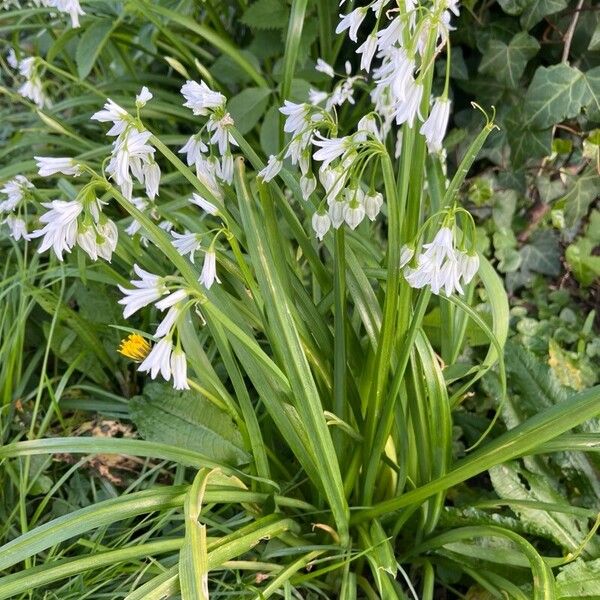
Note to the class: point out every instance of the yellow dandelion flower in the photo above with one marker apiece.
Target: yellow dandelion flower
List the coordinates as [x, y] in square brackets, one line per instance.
[134, 346]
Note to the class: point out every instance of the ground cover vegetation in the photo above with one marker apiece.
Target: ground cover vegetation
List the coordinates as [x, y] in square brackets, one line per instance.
[299, 300]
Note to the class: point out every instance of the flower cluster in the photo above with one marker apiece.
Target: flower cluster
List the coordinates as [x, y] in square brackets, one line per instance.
[165, 357]
[29, 68]
[441, 265]
[132, 154]
[206, 102]
[17, 190]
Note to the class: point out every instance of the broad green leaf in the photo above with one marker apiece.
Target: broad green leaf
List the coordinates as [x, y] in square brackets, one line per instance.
[592, 94]
[90, 45]
[526, 142]
[584, 264]
[535, 10]
[576, 202]
[186, 419]
[595, 41]
[269, 131]
[555, 93]
[542, 254]
[266, 14]
[579, 580]
[506, 62]
[248, 107]
[569, 369]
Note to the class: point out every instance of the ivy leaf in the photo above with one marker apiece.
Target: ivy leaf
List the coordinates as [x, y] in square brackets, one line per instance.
[556, 93]
[248, 107]
[526, 142]
[585, 266]
[576, 202]
[266, 14]
[90, 45]
[187, 420]
[592, 94]
[506, 62]
[542, 254]
[535, 10]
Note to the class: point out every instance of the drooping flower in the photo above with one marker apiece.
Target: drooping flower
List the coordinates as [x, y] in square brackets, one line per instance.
[200, 98]
[179, 369]
[221, 132]
[113, 113]
[408, 109]
[373, 202]
[308, 184]
[60, 226]
[367, 51]
[352, 22]
[143, 97]
[330, 148]
[50, 166]
[145, 291]
[209, 269]
[434, 128]
[194, 149]
[15, 190]
[205, 205]
[324, 67]
[70, 7]
[17, 227]
[271, 169]
[321, 223]
[159, 360]
[186, 243]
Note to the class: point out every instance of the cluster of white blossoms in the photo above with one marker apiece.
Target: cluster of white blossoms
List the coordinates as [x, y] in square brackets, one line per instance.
[29, 68]
[17, 191]
[440, 266]
[132, 154]
[207, 103]
[165, 357]
[79, 222]
[401, 48]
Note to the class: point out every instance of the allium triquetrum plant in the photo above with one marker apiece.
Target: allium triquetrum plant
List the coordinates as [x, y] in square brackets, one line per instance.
[290, 295]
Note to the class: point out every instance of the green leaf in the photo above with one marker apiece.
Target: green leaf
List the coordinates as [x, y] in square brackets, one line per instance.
[542, 254]
[526, 142]
[592, 94]
[248, 107]
[507, 62]
[90, 45]
[585, 266]
[535, 10]
[556, 93]
[579, 580]
[188, 420]
[577, 200]
[269, 131]
[266, 14]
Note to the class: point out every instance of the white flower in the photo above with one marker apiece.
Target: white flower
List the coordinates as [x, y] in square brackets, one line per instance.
[179, 369]
[141, 204]
[71, 7]
[209, 270]
[367, 49]
[337, 210]
[407, 109]
[308, 184]
[435, 126]
[15, 189]
[333, 180]
[206, 171]
[11, 58]
[17, 226]
[352, 22]
[112, 113]
[146, 290]
[168, 321]
[271, 170]
[99, 239]
[60, 229]
[367, 125]
[33, 90]
[469, 266]
[224, 169]
[205, 205]
[373, 202]
[389, 36]
[159, 359]
[200, 98]
[186, 243]
[406, 254]
[317, 96]
[321, 224]
[221, 135]
[151, 178]
[193, 149]
[330, 148]
[297, 117]
[324, 67]
[50, 166]
[144, 96]
[354, 213]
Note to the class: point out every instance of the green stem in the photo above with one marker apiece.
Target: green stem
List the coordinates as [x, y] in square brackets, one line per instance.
[339, 340]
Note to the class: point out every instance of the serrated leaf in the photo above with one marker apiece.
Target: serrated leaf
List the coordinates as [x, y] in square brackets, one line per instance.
[535, 10]
[506, 62]
[266, 14]
[556, 93]
[248, 107]
[90, 45]
[579, 580]
[186, 419]
[542, 254]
